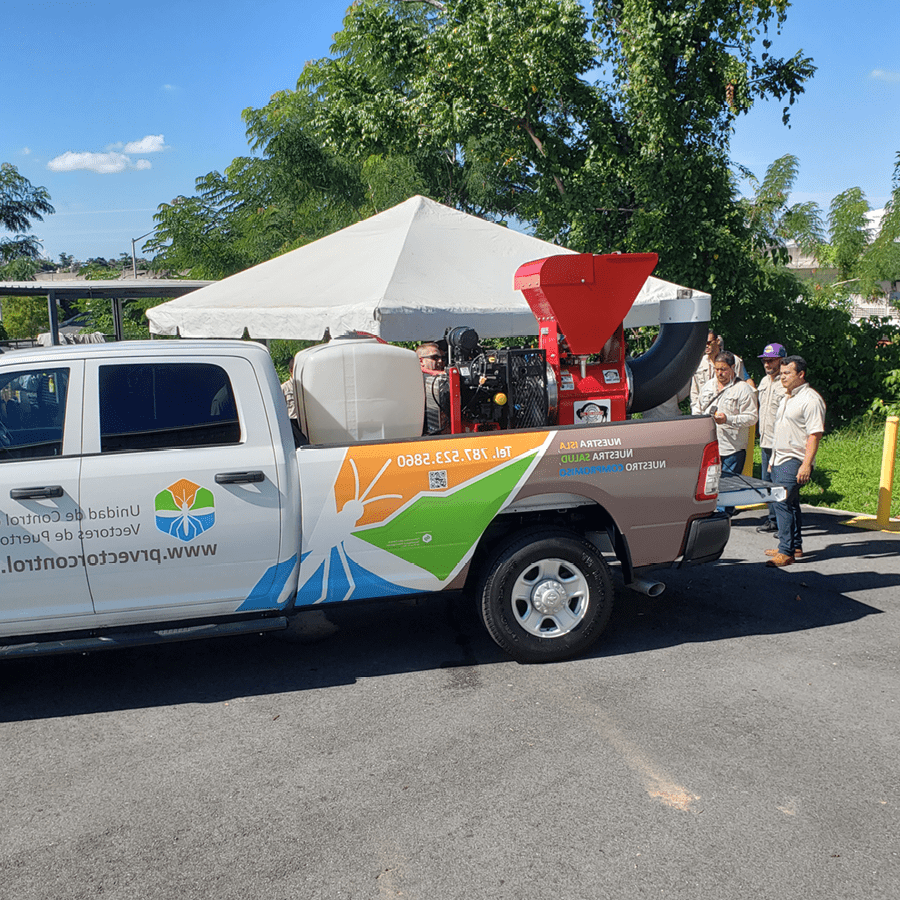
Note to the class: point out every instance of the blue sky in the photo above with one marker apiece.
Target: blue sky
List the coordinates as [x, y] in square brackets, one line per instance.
[116, 108]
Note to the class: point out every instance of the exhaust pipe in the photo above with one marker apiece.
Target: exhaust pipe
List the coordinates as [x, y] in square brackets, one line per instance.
[650, 588]
[668, 365]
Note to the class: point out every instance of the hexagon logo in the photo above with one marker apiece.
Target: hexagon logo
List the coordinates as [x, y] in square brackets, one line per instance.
[185, 510]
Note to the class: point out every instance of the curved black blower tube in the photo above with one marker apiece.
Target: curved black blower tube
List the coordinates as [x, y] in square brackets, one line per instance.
[668, 365]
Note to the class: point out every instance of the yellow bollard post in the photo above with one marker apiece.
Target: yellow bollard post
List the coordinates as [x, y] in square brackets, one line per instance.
[882, 520]
[748, 466]
[886, 484]
[748, 461]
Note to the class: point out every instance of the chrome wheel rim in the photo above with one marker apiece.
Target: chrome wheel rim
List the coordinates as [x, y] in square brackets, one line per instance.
[550, 598]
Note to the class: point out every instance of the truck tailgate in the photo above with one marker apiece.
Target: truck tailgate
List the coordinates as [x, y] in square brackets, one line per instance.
[744, 490]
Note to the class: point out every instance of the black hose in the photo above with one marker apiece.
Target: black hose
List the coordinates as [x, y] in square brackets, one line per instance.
[668, 365]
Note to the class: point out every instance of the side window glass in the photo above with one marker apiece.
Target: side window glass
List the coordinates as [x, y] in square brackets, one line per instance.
[155, 406]
[32, 413]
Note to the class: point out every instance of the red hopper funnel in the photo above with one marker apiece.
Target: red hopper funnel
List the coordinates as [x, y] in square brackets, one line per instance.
[588, 295]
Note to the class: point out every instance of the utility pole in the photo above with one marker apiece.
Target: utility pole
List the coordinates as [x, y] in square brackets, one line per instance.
[133, 257]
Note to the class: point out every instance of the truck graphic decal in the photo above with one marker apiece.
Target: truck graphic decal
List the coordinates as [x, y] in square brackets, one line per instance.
[379, 524]
[436, 531]
[185, 510]
[269, 591]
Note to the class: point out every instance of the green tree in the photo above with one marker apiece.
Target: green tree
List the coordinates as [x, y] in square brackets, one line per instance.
[881, 261]
[98, 316]
[19, 268]
[772, 221]
[25, 317]
[848, 229]
[20, 204]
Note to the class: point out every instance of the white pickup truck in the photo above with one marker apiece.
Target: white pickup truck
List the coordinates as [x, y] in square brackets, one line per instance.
[155, 491]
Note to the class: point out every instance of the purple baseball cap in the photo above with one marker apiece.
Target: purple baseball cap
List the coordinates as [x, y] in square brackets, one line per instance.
[772, 351]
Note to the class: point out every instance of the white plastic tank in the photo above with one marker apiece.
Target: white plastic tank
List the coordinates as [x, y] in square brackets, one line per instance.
[358, 389]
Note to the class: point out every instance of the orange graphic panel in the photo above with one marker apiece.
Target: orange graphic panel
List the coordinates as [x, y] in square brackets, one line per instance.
[382, 478]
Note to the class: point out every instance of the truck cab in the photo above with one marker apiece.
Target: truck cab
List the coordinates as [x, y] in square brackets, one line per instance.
[118, 460]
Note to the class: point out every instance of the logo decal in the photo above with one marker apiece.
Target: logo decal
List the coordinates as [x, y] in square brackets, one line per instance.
[185, 510]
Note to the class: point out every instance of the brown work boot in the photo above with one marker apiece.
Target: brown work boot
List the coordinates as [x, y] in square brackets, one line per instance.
[779, 560]
[796, 554]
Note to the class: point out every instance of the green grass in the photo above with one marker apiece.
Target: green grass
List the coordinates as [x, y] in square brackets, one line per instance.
[848, 469]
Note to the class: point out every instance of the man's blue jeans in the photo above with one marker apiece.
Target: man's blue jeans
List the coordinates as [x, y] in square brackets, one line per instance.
[787, 511]
[765, 456]
[733, 464]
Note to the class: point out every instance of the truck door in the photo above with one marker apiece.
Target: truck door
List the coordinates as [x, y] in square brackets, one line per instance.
[180, 496]
[42, 571]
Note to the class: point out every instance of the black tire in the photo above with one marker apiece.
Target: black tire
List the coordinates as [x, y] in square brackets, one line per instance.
[546, 595]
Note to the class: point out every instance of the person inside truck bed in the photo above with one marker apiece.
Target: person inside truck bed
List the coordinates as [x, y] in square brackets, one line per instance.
[430, 357]
[437, 401]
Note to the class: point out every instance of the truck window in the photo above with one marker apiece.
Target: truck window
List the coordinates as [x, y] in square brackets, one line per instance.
[32, 413]
[156, 406]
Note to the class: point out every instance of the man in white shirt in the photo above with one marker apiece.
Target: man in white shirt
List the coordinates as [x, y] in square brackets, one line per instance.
[732, 404]
[706, 369]
[799, 426]
[770, 393]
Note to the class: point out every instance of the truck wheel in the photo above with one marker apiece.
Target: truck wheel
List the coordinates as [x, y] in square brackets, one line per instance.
[546, 596]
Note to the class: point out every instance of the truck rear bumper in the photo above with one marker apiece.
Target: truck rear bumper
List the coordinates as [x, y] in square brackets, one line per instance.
[706, 539]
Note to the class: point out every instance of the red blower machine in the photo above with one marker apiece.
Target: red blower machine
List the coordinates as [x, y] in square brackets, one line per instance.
[580, 372]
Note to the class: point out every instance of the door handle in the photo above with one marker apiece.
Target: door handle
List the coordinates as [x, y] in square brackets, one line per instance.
[239, 477]
[36, 493]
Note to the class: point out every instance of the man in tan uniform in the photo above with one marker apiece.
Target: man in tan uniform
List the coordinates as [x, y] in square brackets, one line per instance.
[799, 426]
[706, 369]
[732, 404]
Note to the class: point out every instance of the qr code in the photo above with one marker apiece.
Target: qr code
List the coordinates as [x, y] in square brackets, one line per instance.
[437, 481]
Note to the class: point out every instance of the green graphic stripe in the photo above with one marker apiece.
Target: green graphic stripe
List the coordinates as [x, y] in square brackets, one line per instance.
[438, 530]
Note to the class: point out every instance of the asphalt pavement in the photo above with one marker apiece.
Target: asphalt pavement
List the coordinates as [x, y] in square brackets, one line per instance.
[735, 737]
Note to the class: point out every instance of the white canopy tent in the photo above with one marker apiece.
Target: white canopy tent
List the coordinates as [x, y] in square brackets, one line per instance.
[406, 274]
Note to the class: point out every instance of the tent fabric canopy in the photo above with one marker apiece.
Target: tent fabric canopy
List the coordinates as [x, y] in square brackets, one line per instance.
[405, 274]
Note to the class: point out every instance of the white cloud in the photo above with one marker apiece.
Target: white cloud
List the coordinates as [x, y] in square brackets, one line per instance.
[885, 75]
[102, 163]
[153, 143]
[114, 159]
[25, 151]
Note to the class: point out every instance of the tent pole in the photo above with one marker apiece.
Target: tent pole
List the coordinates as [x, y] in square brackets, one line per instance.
[117, 319]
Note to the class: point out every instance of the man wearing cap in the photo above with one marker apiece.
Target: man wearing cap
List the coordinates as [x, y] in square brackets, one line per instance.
[770, 393]
[799, 426]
